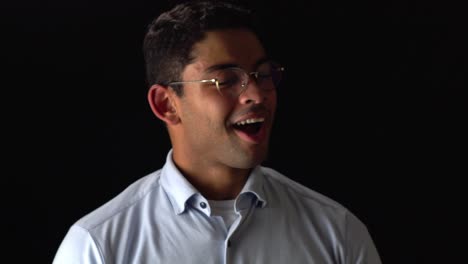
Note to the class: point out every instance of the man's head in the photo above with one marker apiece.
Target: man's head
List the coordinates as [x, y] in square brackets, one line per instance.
[223, 115]
[169, 41]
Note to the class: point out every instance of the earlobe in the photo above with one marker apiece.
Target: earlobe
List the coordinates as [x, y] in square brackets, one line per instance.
[162, 105]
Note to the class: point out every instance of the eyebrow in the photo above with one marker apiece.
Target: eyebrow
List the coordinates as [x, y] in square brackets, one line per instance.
[223, 66]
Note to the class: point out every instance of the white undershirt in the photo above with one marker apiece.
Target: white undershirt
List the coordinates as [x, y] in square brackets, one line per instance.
[225, 209]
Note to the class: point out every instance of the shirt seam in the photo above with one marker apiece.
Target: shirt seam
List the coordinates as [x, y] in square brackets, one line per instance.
[308, 196]
[95, 241]
[346, 227]
[127, 206]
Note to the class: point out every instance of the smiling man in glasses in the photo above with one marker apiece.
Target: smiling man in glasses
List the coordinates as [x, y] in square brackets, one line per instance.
[213, 84]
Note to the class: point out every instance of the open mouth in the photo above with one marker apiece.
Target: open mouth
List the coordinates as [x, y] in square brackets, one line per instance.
[250, 127]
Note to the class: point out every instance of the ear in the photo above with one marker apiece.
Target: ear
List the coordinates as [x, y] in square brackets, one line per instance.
[161, 102]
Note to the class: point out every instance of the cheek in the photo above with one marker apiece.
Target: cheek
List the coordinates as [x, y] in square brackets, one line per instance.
[212, 109]
[271, 102]
[273, 99]
[219, 111]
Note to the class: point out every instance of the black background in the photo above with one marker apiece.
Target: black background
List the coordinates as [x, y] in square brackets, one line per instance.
[372, 113]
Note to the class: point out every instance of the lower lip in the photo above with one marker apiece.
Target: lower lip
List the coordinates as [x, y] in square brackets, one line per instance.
[256, 138]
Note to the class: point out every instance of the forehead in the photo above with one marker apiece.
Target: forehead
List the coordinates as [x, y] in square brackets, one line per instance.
[234, 46]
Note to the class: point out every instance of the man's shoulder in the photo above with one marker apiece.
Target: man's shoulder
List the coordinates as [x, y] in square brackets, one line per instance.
[127, 200]
[299, 192]
[309, 211]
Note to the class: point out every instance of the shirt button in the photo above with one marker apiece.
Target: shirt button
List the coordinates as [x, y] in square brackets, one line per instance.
[203, 205]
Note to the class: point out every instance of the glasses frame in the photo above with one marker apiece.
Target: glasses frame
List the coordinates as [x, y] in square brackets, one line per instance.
[216, 81]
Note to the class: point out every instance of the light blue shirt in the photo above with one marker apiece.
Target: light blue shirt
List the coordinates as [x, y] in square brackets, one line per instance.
[162, 218]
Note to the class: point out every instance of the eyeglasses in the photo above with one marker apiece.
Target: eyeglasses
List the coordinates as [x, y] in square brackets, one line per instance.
[233, 81]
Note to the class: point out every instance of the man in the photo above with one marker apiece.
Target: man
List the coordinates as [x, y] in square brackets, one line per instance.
[214, 86]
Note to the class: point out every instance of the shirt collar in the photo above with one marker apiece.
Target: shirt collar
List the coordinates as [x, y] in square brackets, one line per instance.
[180, 190]
[176, 185]
[253, 186]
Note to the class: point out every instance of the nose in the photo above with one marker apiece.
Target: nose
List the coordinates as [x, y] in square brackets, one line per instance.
[252, 94]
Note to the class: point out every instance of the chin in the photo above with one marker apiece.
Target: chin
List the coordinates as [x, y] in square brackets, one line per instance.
[251, 160]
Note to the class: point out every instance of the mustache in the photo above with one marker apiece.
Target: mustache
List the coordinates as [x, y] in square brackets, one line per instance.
[254, 109]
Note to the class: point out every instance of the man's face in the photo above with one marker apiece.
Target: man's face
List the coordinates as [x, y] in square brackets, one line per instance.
[216, 129]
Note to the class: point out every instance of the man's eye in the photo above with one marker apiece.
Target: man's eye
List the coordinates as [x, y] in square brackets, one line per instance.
[228, 81]
[264, 75]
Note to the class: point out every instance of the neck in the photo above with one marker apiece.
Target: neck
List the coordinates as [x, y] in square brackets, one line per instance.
[218, 188]
[215, 183]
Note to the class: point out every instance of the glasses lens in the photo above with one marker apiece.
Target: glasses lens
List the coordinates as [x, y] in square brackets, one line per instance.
[269, 75]
[231, 81]
[277, 75]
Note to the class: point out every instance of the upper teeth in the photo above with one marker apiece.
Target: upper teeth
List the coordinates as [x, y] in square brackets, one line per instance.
[250, 121]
